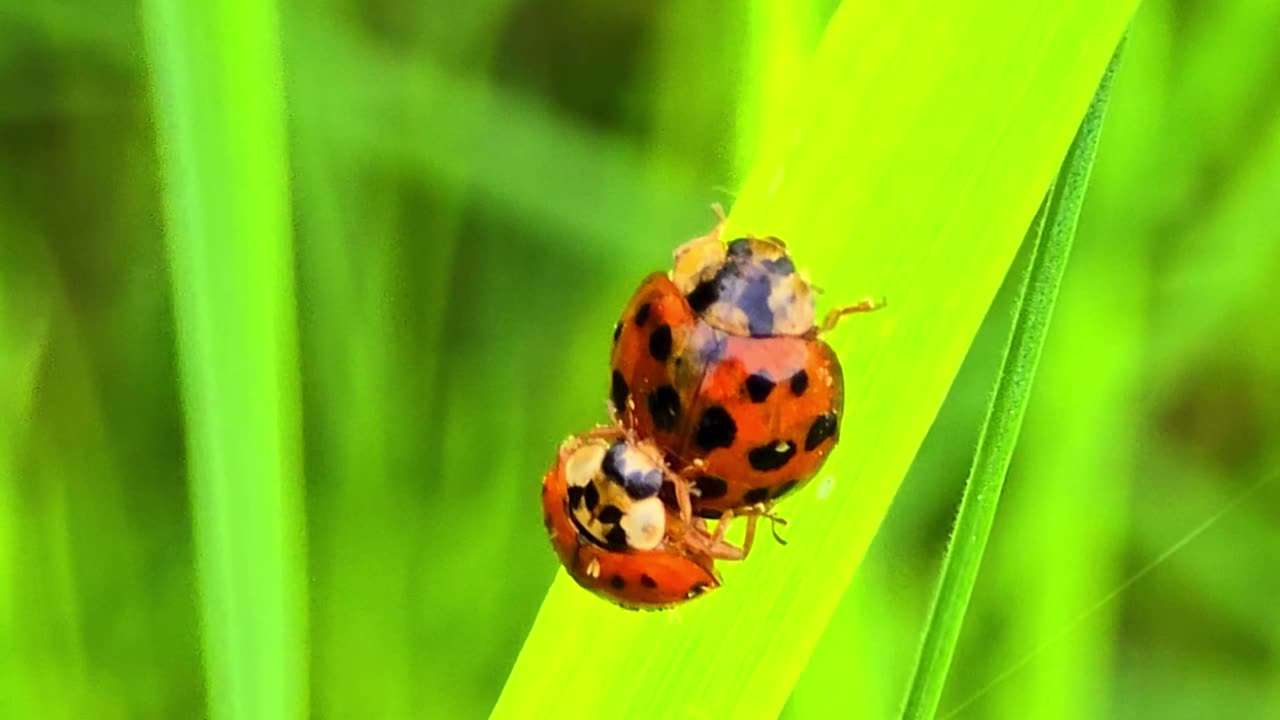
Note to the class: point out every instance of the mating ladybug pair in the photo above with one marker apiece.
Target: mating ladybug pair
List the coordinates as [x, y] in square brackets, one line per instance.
[724, 398]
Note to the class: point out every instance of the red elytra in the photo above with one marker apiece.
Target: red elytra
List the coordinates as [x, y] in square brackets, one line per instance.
[721, 364]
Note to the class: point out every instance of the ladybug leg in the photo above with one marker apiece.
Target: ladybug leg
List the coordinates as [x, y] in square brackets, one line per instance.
[722, 526]
[750, 538]
[599, 432]
[759, 511]
[833, 317]
[721, 549]
[712, 544]
[685, 505]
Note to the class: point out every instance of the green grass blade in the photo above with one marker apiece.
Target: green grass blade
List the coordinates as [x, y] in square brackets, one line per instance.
[1078, 451]
[913, 163]
[24, 330]
[219, 108]
[1004, 419]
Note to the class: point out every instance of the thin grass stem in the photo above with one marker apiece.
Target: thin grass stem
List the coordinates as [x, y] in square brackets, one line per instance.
[1033, 312]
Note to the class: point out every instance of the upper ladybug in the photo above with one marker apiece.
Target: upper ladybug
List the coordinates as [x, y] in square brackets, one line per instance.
[721, 364]
[612, 531]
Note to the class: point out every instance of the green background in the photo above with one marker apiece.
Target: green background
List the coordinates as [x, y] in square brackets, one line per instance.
[475, 192]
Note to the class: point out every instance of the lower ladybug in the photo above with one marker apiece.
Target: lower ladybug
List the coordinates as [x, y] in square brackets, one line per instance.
[720, 362]
[602, 504]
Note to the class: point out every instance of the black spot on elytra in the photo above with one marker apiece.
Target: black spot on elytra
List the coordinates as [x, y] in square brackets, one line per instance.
[759, 387]
[648, 582]
[710, 487]
[590, 496]
[754, 302]
[546, 521]
[619, 392]
[755, 495]
[642, 315]
[660, 343]
[716, 428]
[823, 427]
[704, 295]
[664, 406]
[799, 383]
[617, 582]
[617, 332]
[709, 514]
[740, 248]
[771, 456]
[609, 514]
[575, 496]
[785, 488]
[616, 539]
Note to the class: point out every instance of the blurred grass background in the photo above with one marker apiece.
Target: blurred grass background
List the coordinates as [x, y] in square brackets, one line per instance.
[449, 167]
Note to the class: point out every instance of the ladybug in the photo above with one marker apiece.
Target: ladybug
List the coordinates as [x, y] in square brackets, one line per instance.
[603, 507]
[721, 364]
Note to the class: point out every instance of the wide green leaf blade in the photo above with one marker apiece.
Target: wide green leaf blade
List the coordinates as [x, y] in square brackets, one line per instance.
[916, 156]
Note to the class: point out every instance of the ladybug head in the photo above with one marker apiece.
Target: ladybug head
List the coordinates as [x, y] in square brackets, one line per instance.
[613, 495]
[748, 287]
